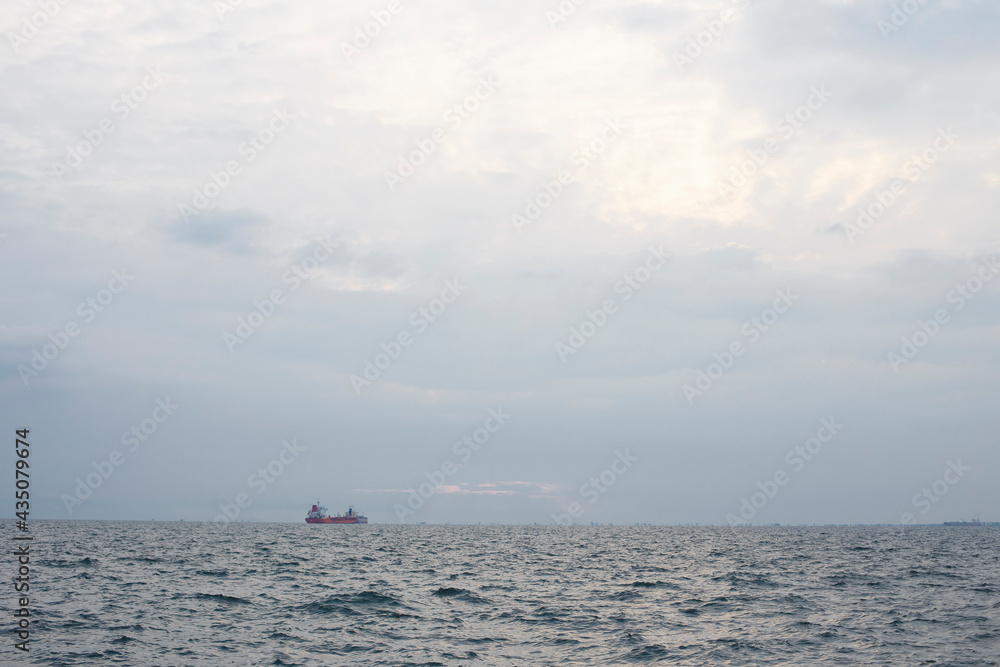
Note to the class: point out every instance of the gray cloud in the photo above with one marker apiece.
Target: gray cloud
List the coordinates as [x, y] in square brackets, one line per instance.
[323, 177]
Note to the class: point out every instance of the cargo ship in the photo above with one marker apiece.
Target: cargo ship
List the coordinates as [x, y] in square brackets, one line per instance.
[318, 515]
[975, 522]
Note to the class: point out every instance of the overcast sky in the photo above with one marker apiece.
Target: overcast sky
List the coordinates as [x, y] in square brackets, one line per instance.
[688, 173]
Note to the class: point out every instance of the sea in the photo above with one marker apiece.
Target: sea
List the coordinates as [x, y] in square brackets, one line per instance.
[161, 593]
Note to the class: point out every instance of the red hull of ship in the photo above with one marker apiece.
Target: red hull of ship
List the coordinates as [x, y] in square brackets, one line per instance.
[338, 519]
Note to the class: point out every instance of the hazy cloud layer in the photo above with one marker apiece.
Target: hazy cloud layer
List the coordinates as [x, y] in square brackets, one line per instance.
[219, 159]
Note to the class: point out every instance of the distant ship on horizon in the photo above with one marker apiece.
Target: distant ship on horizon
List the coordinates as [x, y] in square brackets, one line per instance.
[318, 515]
[975, 522]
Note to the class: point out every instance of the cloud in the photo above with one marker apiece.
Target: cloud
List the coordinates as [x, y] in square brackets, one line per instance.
[324, 176]
[231, 232]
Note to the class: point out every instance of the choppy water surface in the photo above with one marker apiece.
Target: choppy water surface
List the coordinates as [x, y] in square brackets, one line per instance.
[124, 593]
